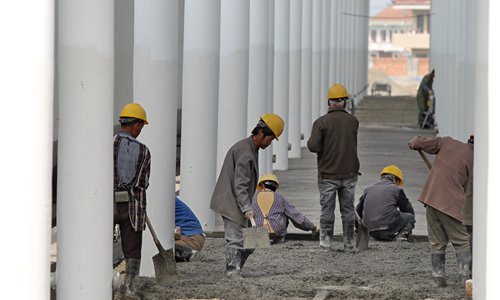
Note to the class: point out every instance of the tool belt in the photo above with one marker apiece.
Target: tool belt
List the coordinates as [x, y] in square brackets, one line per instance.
[121, 196]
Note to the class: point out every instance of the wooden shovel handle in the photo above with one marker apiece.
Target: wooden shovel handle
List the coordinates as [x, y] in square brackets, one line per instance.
[252, 220]
[427, 162]
[153, 233]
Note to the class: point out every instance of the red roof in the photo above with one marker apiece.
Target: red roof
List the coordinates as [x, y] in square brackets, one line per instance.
[391, 13]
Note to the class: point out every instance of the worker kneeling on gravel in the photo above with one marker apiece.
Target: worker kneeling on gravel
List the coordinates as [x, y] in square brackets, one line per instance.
[385, 209]
[188, 234]
[274, 212]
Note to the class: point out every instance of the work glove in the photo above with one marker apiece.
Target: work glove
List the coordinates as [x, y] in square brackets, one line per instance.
[249, 214]
[315, 231]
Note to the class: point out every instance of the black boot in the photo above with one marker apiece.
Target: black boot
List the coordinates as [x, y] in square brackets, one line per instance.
[348, 233]
[464, 259]
[438, 262]
[326, 238]
[233, 263]
[131, 272]
[182, 254]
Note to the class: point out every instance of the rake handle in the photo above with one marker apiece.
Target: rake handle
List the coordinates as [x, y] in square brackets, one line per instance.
[427, 162]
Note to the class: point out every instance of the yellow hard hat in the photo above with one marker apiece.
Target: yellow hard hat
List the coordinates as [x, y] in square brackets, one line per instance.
[275, 123]
[337, 91]
[268, 177]
[134, 110]
[393, 170]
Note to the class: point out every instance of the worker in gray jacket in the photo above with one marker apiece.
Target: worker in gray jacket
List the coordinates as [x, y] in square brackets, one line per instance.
[232, 196]
[385, 209]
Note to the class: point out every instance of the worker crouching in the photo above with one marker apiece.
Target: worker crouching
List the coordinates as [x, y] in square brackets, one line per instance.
[385, 209]
[273, 211]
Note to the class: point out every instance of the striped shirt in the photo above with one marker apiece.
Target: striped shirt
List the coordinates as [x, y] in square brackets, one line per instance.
[281, 212]
[132, 165]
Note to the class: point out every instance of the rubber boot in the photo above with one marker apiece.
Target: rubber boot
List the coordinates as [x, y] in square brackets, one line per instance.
[405, 232]
[245, 253]
[348, 233]
[464, 260]
[438, 262]
[233, 263]
[326, 238]
[131, 272]
[182, 254]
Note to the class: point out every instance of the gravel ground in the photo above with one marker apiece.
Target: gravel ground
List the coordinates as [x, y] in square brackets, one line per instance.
[301, 270]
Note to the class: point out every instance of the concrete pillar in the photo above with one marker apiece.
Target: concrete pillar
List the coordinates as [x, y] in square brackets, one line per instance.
[333, 43]
[155, 88]
[269, 154]
[27, 92]
[306, 74]
[233, 83]
[325, 55]
[85, 164]
[281, 78]
[200, 86]
[295, 84]
[316, 93]
[259, 79]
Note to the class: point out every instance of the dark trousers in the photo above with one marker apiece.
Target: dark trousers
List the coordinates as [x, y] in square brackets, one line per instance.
[131, 239]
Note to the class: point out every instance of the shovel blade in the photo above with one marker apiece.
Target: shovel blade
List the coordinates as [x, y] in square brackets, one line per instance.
[362, 238]
[256, 237]
[165, 268]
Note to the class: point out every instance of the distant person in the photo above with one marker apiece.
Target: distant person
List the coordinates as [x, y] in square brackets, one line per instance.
[274, 212]
[334, 138]
[424, 90]
[443, 195]
[385, 209]
[233, 192]
[189, 236]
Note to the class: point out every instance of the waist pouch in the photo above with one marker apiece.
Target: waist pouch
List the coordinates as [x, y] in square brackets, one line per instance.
[121, 196]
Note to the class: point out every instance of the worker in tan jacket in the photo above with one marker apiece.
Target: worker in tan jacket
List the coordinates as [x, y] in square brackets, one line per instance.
[443, 194]
[232, 196]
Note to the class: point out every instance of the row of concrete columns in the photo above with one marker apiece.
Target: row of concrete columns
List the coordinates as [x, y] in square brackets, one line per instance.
[464, 53]
[239, 60]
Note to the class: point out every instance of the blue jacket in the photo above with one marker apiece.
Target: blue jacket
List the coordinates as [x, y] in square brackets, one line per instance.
[186, 219]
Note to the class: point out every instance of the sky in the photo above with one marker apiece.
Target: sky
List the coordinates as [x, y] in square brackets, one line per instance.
[377, 5]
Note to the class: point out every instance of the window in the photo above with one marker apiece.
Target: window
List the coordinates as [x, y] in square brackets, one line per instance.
[373, 35]
[420, 23]
[382, 35]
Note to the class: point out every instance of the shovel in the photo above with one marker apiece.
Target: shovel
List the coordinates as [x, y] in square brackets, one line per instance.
[363, 236]
[255, 237]
[427, 162]
[164, 261]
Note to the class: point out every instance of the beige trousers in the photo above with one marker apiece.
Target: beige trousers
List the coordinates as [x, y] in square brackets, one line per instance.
[443, 229]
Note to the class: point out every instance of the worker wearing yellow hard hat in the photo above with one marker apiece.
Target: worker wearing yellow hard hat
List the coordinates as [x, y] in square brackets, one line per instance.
[236, 184]
[132, 164]
[273, 211]
[384, 207]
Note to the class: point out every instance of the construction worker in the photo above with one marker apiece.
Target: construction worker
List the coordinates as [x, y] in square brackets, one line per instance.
[273, 211]
[232, 196]
[132, 161]
[385, 209]
[334, 138]
[443, 194]
[189, 236]
[467, 211]
[424, 90]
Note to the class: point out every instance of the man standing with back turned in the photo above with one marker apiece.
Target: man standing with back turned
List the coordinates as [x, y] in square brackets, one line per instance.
[334, 138]
[232, 196]
[132, 161]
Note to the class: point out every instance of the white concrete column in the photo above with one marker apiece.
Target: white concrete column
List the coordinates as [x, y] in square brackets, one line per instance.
[27, 75]
[281, 78]
[233, 82]
[259, 79]
[339, 63]
[486, 242]
[85, 164]
[333, 43]
[316, 93]
[155, 88]
[325, 55]
[306, 74]
[200, 92]
[295, 84]
[269, 154]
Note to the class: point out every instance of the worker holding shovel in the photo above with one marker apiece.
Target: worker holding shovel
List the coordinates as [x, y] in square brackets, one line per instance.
[443, 194]
[132, 161]
[232, 196]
